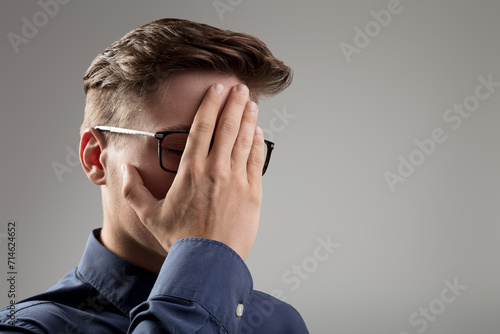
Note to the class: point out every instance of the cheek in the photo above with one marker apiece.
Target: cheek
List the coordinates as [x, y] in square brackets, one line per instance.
[156, 180]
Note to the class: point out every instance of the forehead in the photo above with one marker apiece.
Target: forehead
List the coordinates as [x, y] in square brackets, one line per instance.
[178, 98]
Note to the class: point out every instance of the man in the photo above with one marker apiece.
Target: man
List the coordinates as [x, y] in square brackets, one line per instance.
[170, 136]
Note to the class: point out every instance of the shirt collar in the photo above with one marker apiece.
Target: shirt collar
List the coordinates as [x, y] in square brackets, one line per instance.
[119, 281]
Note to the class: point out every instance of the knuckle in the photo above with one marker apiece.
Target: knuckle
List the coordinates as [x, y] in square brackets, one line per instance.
[238, 98]
[255, 193]
[243, 142]
[242, 184]
[147, 221]
[240, 101]
[212, 101]
[259, 143]
[219, 172]
[203, 125]
[192, 171]
[250, 120]
[228, 127]
[127, 191]
[256, 160]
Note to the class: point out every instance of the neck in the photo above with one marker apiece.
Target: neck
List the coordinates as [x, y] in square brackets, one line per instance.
[141, 249]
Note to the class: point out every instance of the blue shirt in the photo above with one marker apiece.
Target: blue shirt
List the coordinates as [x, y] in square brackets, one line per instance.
[203, 287]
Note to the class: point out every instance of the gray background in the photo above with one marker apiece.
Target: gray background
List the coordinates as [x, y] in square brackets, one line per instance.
[351, 123]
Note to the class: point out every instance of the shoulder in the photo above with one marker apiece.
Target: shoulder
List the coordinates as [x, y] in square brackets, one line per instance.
[69, 306]
[37, 316]
[267, 314]
[47, 316]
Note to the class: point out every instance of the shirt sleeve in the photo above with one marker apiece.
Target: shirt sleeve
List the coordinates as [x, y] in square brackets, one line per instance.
[19, 328]
[203, 287]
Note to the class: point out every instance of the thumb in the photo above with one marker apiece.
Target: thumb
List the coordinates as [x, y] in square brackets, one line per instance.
[136, 194]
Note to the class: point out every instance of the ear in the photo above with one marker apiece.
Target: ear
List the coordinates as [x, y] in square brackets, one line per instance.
[92, 145]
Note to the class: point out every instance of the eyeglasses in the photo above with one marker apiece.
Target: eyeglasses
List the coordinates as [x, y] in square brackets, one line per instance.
[171, 145]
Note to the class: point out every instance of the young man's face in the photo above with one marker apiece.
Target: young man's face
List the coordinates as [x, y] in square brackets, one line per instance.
[174, 106]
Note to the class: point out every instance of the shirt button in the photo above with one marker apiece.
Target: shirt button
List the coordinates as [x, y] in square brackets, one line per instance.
[239, 310]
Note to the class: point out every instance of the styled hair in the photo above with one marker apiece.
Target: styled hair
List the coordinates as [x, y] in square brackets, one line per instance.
[124, 77]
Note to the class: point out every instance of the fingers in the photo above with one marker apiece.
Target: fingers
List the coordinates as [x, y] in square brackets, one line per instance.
[137, 195]
[202, 129]
[234, 131]
[256, 157]
[245, 139]
[229, 123]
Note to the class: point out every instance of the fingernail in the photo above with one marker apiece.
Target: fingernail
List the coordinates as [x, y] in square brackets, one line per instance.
[251, 105]
[219, 88]
[242, 89]
[258, 129]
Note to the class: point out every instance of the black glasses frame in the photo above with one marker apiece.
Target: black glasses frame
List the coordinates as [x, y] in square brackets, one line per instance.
[161, 135]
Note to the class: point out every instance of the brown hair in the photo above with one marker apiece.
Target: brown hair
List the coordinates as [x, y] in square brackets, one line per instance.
[125, 76]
